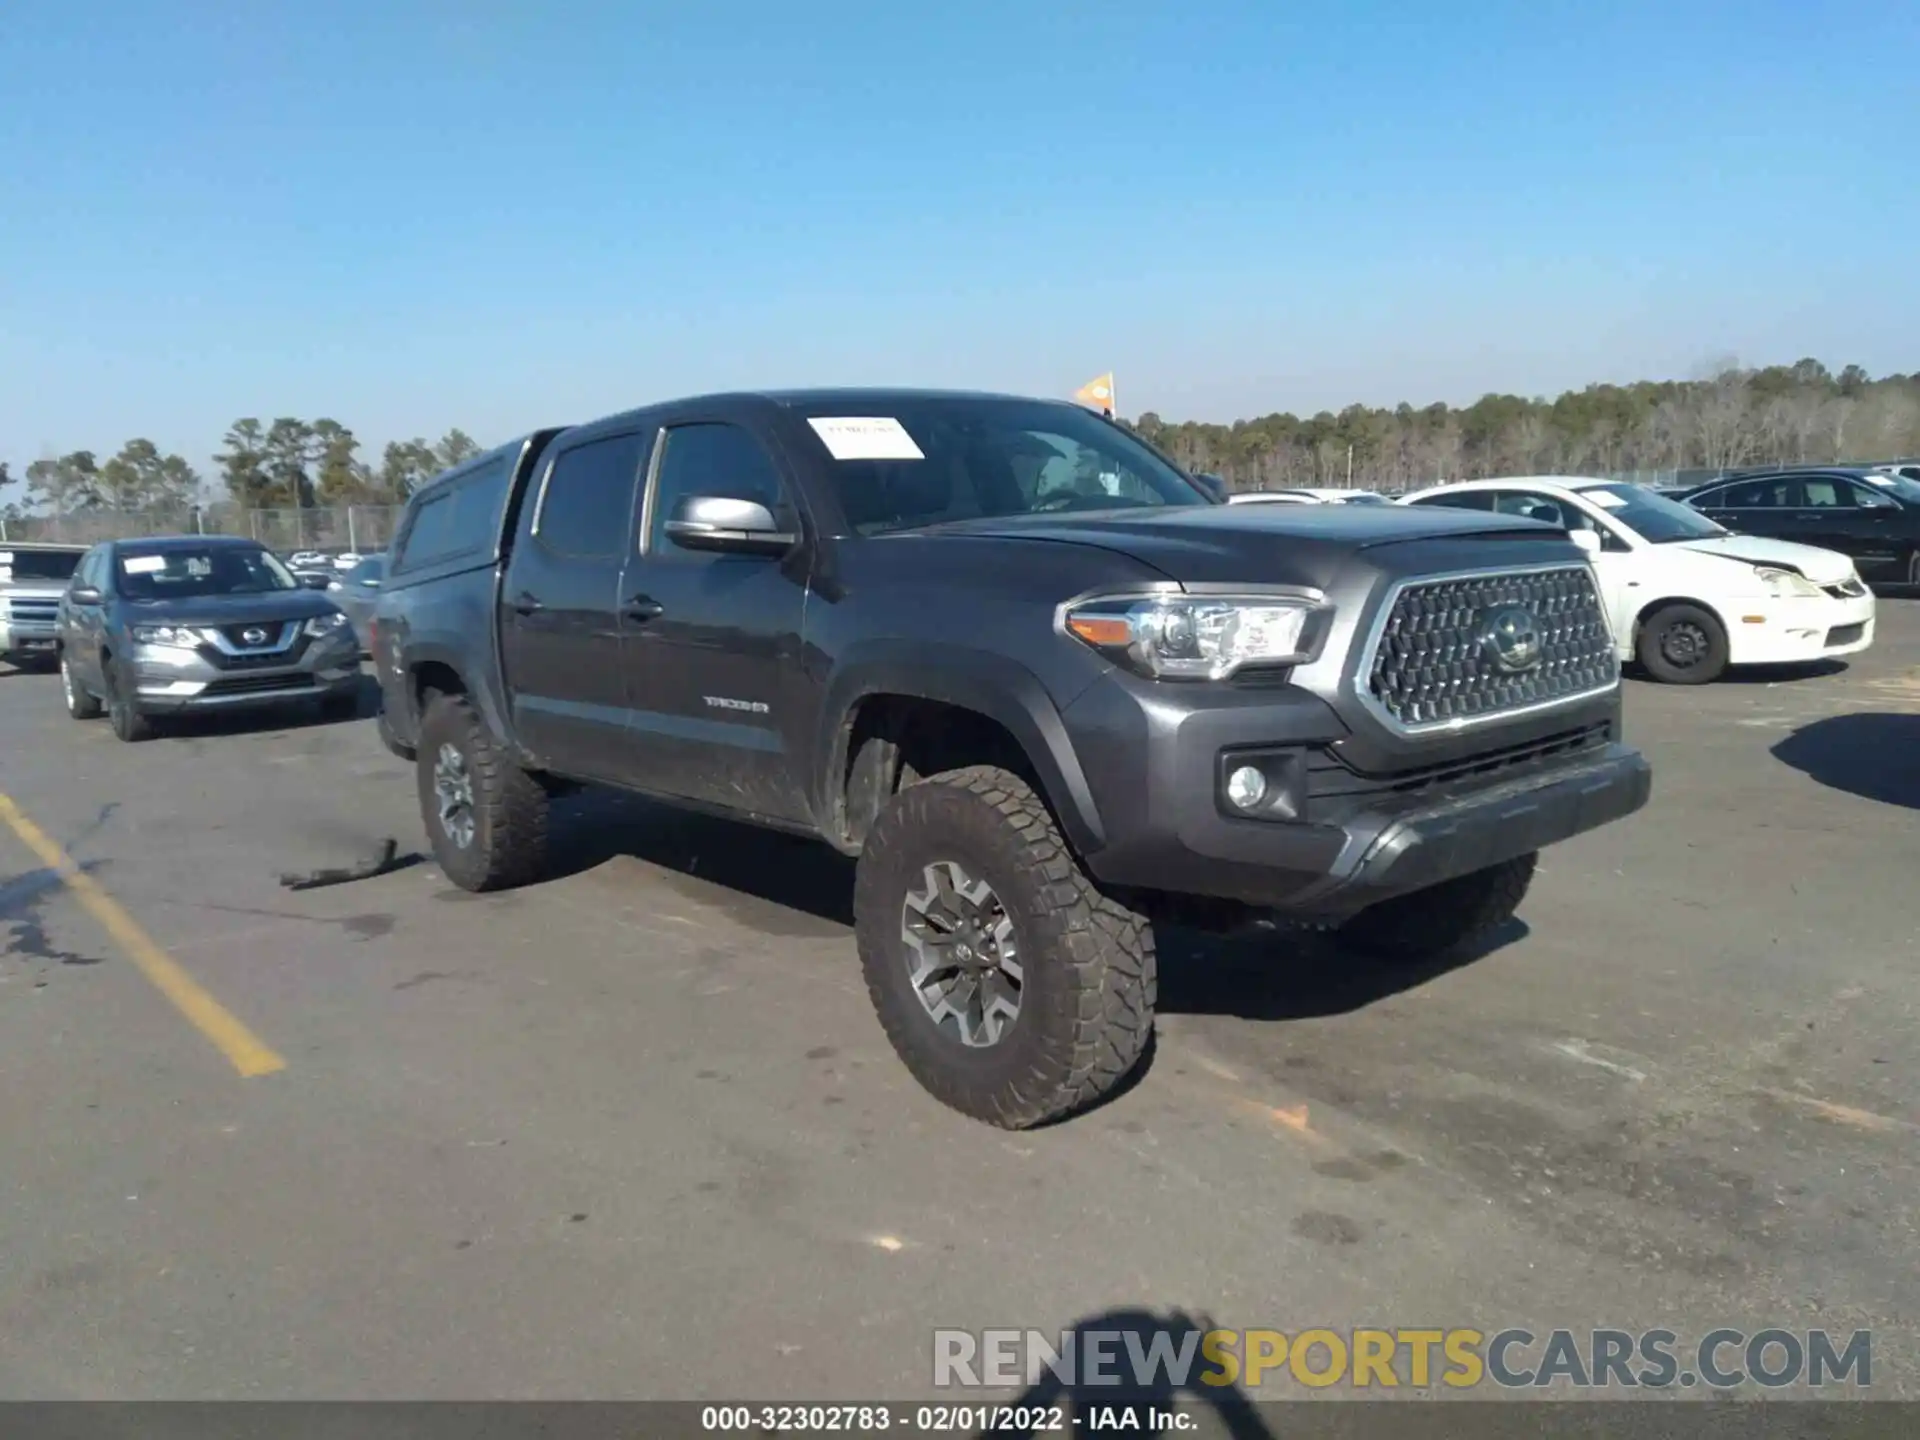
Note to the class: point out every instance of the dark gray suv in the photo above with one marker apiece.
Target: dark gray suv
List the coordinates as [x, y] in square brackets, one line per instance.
[157, 627]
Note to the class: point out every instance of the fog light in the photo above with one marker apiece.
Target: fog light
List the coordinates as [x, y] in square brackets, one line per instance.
[1246, 787]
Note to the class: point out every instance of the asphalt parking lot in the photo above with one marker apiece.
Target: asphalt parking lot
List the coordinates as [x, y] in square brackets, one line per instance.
[635, 1131]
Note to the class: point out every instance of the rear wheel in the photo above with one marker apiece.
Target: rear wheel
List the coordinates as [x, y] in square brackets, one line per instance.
[1011, 987]
[486, 818]
[1683, 645]
[1429, 923]
[80, 704]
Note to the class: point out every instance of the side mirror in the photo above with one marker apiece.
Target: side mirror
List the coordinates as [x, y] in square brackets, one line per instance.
[1214, 486]
[712, 522]
[1587, 540]
[84, 595]
[316, 581]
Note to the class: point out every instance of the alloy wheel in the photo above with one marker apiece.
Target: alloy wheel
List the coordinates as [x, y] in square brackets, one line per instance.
[453, 792]
[962, 956]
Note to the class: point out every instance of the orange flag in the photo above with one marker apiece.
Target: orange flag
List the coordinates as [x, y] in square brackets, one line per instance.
[1097, 393]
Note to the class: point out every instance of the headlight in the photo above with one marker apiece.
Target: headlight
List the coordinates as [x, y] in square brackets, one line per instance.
[1179, 636]
[182, 636]
[1786, 584]
[323, 625]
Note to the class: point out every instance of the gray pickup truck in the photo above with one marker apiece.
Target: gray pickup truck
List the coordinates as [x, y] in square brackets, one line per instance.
[32, 580]
[1045, 687]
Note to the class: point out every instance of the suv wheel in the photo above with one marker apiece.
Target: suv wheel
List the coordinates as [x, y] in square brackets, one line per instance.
[1428, 923]
[1683, 645]
[123, 714]
[486, 818]
[1011, 987]
[80, 704]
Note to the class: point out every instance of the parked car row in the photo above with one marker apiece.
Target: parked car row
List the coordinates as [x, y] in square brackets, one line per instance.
[1686, 596]
[1871, 516]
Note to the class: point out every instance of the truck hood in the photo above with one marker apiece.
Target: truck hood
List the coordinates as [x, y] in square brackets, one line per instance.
[1215, 544]
[274, 605]
[1822, 567]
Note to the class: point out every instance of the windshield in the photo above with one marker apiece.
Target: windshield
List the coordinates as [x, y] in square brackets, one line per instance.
[933, 461]
[25, 566]
[1654, 518]
[186, 573]
[1896, 485]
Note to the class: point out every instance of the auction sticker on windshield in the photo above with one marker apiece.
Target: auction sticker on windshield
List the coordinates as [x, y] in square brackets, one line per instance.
[866, 437]
[143, 564]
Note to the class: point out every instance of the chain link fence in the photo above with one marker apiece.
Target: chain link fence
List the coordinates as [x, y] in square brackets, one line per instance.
[360, 528]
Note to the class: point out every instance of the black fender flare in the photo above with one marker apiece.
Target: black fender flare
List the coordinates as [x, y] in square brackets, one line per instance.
[484, 696]
[992, 685]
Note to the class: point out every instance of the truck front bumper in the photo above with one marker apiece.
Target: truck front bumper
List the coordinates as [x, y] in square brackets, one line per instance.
[1329, 841]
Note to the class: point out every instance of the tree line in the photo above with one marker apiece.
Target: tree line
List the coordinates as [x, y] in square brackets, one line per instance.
[285, 464]
[1735, 416]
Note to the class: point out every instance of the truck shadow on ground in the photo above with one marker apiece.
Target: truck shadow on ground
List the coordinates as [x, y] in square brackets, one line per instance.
[1875, 756]
[767, 881]
[1277, 975]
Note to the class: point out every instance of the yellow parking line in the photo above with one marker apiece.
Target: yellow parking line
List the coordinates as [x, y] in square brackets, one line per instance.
[244, 1051]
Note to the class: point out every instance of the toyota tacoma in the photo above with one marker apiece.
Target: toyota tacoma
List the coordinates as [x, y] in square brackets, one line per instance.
[1042, 684]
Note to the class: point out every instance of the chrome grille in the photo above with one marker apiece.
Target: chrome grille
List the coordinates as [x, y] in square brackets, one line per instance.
[1429, 666]
[31, 610]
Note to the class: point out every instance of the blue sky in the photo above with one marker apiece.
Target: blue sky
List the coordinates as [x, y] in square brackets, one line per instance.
[496, 215]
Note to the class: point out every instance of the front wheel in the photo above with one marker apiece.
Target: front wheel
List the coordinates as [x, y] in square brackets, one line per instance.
[1427, 924]
[1012, 988]
[81, 705]
[129, 724]
[1683, 645]
[486, 818]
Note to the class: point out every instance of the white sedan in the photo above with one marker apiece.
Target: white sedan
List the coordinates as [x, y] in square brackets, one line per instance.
[1686, 597]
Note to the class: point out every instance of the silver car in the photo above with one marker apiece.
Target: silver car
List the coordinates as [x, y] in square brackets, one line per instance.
[180, 624]
[355, 594]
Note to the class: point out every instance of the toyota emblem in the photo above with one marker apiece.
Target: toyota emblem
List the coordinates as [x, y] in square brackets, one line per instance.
[254, 635]
[1511, 639]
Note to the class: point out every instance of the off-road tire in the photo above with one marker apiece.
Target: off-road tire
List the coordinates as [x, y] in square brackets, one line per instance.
[1430, 923]
[510, 810]
[1089, 980]
[1654, 631]
[383, 723]
[81, 705]
[124, 715]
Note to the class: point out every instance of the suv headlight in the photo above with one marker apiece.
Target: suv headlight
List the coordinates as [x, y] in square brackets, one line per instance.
[1181, 636]
[323, 625]
[184, 637]
[1786, 584]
